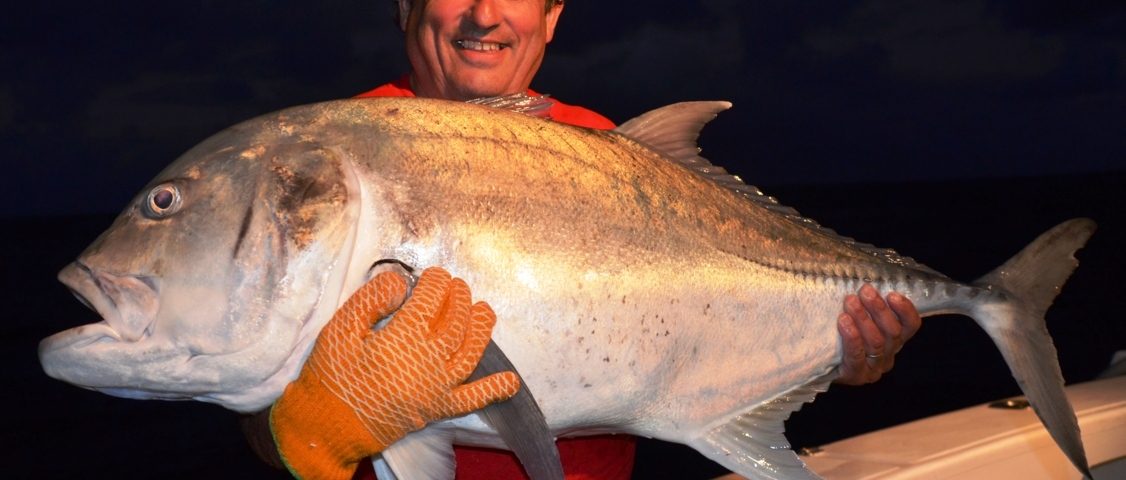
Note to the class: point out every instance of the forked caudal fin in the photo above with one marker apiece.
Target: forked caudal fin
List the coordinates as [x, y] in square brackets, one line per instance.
[1027, 284]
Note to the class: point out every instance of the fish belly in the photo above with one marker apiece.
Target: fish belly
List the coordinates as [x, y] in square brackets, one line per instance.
[666, 351]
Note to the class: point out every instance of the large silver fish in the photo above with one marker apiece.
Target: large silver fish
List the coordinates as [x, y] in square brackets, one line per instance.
[638, 288]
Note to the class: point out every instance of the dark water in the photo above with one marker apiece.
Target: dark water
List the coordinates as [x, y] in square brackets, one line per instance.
[54, 430]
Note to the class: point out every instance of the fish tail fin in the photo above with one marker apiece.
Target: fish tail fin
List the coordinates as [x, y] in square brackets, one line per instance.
[1025, 286]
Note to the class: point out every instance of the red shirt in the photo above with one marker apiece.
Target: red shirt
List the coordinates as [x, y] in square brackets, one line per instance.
[560, 112]
[602, 457]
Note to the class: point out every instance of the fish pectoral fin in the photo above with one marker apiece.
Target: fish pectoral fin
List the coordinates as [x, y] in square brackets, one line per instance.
[520, 422]
[753, 443]
[427, 454]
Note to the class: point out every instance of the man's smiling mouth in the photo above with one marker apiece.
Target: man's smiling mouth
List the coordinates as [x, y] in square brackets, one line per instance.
[479, 46]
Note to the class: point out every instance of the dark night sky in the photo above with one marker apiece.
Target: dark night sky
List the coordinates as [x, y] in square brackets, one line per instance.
[953, 131]
[96, 100]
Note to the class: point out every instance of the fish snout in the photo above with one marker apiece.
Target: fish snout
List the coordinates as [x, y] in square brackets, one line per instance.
[127, 303]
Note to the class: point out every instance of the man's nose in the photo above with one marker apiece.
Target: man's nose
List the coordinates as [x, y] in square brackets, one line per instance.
[485, 13]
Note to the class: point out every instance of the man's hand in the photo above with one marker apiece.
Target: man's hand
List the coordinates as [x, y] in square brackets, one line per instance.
[362, 390]
[873, 331]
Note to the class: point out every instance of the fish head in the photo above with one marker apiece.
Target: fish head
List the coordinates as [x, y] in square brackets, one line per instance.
[213, 280]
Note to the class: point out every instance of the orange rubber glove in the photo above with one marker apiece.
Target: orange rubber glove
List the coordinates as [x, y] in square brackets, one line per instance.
[362, 390]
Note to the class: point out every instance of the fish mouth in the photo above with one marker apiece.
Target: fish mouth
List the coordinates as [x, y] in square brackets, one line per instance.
[127, 305]
[90, 356]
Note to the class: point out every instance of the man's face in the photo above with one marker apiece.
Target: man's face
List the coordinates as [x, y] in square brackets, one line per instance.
[465, 49]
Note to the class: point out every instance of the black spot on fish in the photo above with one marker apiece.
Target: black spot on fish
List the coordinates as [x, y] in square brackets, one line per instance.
[606, 359]
[586, 385]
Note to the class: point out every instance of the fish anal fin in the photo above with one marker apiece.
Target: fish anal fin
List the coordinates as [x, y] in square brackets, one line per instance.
[753, 443]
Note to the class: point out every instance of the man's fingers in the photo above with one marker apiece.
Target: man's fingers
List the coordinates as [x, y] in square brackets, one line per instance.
[854, 367]
[874, 341]
[426, 301]
[907, 313]
[449, 324]
[479, 329]
[373, 301]
[480, 393]
[887, 320]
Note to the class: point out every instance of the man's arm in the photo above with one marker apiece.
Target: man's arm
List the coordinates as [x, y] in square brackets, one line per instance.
[873, 330]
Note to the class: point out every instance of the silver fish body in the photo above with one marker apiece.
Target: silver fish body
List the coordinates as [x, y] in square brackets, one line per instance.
[638, 289]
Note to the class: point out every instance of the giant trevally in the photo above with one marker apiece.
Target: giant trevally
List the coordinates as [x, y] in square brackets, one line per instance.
[639, 289]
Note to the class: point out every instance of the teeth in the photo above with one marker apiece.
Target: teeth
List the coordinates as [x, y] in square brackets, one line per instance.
[479, 46]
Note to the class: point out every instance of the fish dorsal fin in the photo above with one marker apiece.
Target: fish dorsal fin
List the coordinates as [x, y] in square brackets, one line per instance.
[753, 443]
[533, 106]
[672, 131]
[427, 454]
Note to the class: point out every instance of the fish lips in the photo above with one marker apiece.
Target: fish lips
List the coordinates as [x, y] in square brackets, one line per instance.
[127, 305]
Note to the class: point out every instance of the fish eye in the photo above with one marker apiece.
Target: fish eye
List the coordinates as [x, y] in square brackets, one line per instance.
[163, 200]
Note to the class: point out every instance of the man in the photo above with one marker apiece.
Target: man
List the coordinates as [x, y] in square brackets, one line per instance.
[462, 50]
[466, 49]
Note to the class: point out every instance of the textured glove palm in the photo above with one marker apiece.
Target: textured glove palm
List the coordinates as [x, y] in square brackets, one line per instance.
[362, 390]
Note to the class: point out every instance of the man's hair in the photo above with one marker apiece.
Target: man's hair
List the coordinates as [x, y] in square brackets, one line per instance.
[395, 8]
